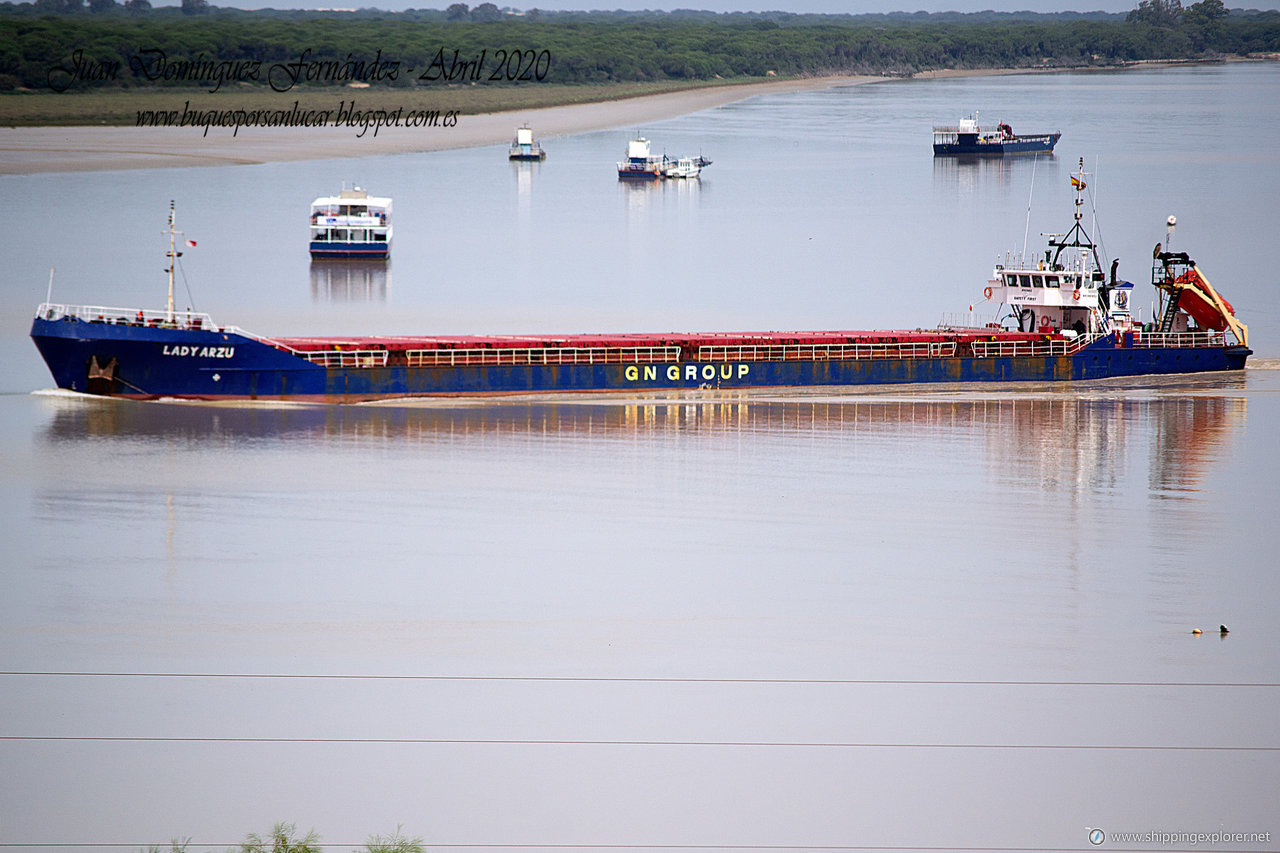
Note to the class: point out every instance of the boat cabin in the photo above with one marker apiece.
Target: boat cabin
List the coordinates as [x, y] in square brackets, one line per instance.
[1047, 297]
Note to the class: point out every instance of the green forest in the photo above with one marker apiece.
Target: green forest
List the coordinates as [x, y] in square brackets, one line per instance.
[68, 45]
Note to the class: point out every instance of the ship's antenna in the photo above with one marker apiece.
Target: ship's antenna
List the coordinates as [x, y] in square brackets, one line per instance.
[1097, 231]
[1170, 224]
[48, 297]
[1026, 230]
[1093, 202]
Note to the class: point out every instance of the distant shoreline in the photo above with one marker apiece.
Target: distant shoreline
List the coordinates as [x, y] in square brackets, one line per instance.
[30, 150]
[33, 150]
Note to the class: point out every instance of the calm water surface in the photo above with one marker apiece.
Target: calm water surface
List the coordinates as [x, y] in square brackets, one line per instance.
[908, 619]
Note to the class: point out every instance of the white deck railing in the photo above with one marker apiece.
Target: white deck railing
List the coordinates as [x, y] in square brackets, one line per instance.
[542, 355]
[344, 358]
[827, 352]
[126, 316]
[1179, 340]
[1010, 349]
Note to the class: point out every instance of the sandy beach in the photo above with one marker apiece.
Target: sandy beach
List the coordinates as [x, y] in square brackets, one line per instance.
[27, 150]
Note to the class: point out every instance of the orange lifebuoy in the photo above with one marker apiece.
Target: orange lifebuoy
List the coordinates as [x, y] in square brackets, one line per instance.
[1075, 294]
[987, 293]
[1045, 324]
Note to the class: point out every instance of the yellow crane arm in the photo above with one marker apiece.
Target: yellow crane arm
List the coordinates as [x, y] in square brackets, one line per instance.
[1240, 330]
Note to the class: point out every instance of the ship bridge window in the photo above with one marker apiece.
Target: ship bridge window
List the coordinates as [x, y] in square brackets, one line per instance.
[1037, 281]
[1024, 281]
[1051, 281]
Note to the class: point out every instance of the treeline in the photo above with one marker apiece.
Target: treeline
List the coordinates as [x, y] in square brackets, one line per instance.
[120, 48]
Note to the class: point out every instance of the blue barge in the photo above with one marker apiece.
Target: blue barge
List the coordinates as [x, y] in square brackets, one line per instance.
[968, 138]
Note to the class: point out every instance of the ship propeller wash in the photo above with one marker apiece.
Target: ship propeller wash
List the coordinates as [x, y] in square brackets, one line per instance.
[1067, 321]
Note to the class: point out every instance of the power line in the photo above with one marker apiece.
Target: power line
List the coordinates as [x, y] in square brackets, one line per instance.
[620, 847]
[681, 743]
[587, 679]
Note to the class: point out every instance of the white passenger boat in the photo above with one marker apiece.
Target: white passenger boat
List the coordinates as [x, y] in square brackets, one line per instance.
[352, 224]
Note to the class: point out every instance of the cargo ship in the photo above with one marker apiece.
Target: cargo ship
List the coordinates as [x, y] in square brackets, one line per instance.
[1065, 322]
[968, 137]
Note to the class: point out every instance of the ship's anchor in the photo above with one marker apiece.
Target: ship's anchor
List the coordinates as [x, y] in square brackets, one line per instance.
[101, 378]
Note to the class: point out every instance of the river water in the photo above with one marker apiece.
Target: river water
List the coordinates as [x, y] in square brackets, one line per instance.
[908, 619]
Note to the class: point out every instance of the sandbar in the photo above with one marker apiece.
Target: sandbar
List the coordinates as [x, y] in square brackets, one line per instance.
[29, 150]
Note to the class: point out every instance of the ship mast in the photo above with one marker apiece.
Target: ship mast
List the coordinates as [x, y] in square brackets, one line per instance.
[1076, 238]
[173, 254]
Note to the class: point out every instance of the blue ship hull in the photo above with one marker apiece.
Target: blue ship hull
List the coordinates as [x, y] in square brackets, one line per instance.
[149, 362]
[969, 144]
[326, 249]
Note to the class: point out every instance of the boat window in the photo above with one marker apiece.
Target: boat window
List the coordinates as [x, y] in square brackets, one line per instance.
[1037, 281]
[1024, 281]
[1051, 281]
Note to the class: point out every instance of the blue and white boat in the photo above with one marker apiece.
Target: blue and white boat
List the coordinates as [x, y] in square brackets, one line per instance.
[641, 163]
[968, 137]
[352, 224]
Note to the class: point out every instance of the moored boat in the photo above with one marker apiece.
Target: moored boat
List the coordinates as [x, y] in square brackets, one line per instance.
[525, 147]
[968, 137]
[641, 164]
[1067, 321]
[352, 224]
[684, 167]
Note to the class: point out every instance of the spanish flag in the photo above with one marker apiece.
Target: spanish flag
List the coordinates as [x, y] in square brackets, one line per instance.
[1076, 183]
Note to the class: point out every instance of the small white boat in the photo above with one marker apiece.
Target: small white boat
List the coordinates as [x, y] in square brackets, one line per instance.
[685, 167]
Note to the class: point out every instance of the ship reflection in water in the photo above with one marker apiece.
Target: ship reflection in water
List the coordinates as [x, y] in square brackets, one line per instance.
[350, 280]
[1075, 442]
[969, 173]
[678, 194]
